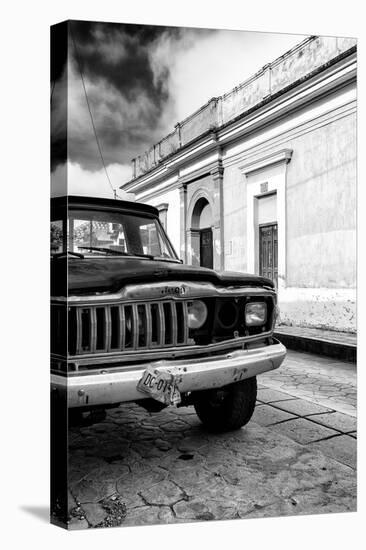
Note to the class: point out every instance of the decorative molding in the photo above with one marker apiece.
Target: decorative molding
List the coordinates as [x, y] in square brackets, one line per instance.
[330, 79]
[316, 53]
[163, 206]
[201, 193]
[267, 144]
[209, 169]
[282, 156]
[218, 171]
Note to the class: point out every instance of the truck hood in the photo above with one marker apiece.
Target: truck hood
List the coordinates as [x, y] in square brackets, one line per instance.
[89, 275]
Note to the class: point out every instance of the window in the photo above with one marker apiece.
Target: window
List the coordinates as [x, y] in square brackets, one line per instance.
[56, 240]
[96, 233]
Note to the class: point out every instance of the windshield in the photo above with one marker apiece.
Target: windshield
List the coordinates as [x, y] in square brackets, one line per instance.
[95, 233]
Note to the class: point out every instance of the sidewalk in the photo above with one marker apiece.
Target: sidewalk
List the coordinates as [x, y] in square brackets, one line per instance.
[322, 380]
[312, 400]
[340, 345]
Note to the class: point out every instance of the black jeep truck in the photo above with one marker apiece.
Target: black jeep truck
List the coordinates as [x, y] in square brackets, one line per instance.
[130, 322]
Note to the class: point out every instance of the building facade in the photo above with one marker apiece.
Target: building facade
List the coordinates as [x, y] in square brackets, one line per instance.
[263, 180]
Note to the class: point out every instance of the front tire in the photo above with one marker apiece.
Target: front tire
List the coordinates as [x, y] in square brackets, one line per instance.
[227, 408]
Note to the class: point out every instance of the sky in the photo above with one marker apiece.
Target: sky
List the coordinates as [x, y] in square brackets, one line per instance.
[140, 81]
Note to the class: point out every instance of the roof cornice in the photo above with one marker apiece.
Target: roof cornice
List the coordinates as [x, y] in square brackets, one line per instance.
[304, 91]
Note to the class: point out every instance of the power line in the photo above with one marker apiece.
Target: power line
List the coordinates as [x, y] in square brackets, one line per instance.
[90, 113]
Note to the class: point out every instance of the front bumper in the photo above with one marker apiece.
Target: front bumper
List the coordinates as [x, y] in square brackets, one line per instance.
[120, 385]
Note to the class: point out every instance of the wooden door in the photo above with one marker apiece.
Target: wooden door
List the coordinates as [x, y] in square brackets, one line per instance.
[206, 248]
[268, 252]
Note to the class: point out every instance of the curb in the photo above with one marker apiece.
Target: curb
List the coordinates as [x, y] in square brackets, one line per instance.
[336, 350]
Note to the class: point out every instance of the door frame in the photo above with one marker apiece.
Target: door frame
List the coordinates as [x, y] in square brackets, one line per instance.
[261, 226]
[272, 169]
[206, 229]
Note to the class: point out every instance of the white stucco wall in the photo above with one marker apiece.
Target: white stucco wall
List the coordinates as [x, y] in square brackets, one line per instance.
[173, 214]
[315, 202]
[317, 257]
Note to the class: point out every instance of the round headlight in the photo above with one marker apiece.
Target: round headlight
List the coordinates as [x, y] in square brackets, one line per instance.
[197, 314]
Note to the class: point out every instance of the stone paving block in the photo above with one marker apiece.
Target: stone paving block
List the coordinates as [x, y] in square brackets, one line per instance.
[189, 444]
[140, 480]
[337, 421]
[223, 510]
[148, 515]
[308, 502]
[268, 395]
[162, 444]
[303, 431]
[92, 490]
[301, 407]
[108, 471]
[266, 415]
[342, 448]
[94, 513]
[307, 375]
[164, 492]
[195, 509]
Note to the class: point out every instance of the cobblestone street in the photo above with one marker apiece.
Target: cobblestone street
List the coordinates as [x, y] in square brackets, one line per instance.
[296, 456]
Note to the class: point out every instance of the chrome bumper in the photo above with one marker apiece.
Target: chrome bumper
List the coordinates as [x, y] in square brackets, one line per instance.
[117, 386]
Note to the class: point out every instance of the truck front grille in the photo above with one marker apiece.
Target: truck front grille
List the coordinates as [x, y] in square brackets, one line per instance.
[127, 327]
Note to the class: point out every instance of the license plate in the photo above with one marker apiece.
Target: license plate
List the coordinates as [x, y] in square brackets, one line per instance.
[160, 385]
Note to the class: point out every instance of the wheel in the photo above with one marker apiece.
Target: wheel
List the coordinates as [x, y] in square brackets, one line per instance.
[227, 408]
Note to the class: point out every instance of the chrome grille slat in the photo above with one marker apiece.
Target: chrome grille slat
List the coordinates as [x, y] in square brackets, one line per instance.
[185, 322]
[121, 329]
[161, 325]
[131, 326]
[78, 330]
[135, 327]
[108, 329]
[174, 330]
[148, 325]
[93, 330]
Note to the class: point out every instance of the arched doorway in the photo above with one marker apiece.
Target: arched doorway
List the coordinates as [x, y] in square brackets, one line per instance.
[201, 226]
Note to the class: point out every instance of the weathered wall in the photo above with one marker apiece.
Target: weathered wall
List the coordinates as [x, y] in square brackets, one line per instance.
[296, 64]
[332, 309]
[321, 207]
[315, 186]
[320, 280]
[321, 228]
[173, 214]
[234, 219]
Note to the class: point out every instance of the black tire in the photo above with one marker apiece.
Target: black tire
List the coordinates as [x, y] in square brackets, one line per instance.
[227, 408]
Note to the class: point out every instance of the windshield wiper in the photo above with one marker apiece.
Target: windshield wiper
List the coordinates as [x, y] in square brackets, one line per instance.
[166, 259]
[102, 249]
[116, 252]
[66, 253]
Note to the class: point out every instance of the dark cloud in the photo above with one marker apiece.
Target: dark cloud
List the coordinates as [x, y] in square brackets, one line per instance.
[140, 81]
[126, 88]
[59, 39]
[120, 53]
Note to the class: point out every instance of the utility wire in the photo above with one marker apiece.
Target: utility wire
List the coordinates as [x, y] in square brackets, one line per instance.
[90, 113]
